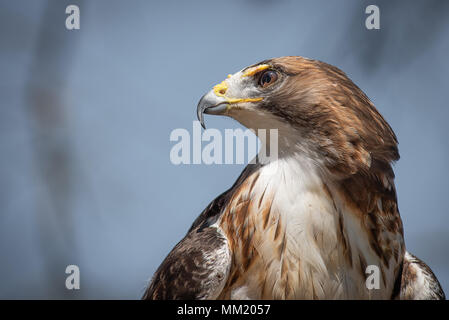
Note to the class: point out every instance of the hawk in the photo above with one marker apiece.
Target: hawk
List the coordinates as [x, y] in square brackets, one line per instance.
[307, 224]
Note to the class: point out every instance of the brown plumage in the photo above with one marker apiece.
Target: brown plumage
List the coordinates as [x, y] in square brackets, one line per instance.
[308, 223]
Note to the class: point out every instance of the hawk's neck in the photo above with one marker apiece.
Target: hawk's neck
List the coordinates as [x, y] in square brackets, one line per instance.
[295, 234]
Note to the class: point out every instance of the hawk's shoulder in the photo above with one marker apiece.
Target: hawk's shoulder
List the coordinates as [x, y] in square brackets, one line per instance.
[418, 281]
[196, 268]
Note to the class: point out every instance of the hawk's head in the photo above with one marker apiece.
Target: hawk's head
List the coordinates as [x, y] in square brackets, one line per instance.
[315, 107]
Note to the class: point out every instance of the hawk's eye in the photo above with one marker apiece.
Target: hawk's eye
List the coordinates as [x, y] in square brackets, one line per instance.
[267, 78]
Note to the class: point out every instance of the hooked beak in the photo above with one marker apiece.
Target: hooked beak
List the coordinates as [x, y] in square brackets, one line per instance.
[210, 103]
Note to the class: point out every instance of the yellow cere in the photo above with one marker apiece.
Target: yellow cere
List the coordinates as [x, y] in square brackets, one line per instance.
[252, 71]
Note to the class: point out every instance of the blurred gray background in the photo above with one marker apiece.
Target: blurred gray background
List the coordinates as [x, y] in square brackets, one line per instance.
[85, 119]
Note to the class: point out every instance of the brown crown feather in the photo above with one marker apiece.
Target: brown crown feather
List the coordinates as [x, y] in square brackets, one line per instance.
[334, 114]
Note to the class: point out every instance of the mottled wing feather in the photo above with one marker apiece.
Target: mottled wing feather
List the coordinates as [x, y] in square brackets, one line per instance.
[418, 281]
[196, 268]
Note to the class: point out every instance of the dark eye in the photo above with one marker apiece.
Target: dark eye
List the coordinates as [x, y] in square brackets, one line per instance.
[267, 78]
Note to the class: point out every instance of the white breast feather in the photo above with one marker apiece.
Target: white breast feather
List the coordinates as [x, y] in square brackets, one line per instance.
[316, 265]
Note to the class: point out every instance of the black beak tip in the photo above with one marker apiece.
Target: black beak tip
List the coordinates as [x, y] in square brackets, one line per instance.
[200, 112]
[200, 117]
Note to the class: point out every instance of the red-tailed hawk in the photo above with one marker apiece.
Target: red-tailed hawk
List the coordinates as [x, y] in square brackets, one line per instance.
[307, 224]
